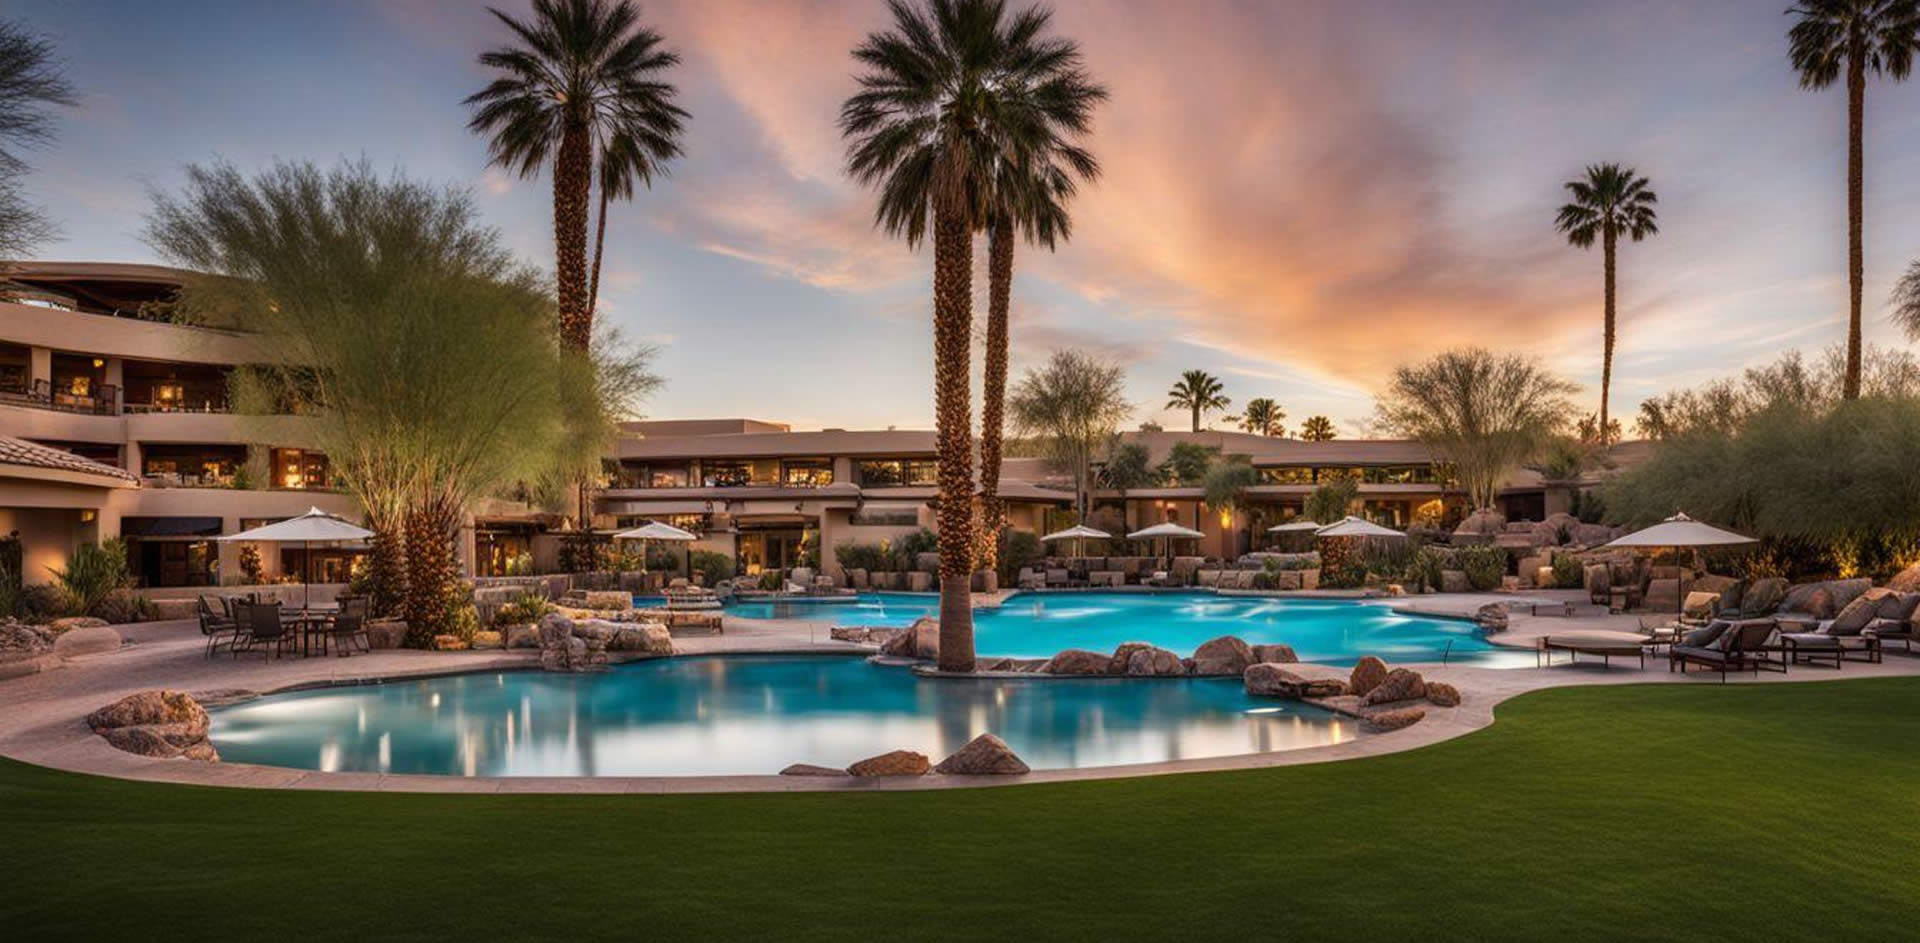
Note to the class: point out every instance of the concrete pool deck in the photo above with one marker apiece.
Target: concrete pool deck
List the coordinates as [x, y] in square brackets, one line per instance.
[41, 714]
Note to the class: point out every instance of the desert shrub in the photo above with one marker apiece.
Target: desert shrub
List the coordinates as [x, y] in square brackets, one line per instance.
[125, 605]
[714, 567]
[869, 557]
[919, 542]
[525, 607]
[1330, 502]
[1266, 579]
[94, 571]
[771, 579]
[521, 564]
[1568, 572]
[1484, 566]
[1018, 548]
[251, 565]
[1389, 559]
[1427, 564]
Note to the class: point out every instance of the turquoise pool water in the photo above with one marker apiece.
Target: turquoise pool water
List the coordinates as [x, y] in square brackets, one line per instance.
[749, 714]
[1033, 625]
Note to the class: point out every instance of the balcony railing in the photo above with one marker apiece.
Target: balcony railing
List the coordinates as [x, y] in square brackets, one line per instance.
[40, 395]
[210, 407]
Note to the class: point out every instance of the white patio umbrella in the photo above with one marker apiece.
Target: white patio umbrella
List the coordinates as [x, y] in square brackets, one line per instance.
[1676, 532]
[1078, 533]
[314, 526]
[1352, 526]
[654, 530]
[1170, 531]
[1291, 526]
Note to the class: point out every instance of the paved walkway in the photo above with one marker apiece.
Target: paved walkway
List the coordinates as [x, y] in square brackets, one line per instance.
[41, 714]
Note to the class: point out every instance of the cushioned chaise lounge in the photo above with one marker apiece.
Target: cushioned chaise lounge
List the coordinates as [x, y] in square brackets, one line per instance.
[1854, 634]
[1726, 647]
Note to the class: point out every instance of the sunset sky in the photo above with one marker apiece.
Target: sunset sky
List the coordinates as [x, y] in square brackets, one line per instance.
[1297, 196]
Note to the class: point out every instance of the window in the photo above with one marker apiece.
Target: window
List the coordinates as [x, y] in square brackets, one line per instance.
[194, 466]
[667, 476]
[806, 473]
[886, 517]
[300, 469]
[726, 474]
[899, 471]
[1287, 475]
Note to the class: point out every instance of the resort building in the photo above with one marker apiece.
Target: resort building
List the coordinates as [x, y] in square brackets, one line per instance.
[115, 422]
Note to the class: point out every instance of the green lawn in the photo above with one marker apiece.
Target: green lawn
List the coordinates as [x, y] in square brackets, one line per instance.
[1657, 812]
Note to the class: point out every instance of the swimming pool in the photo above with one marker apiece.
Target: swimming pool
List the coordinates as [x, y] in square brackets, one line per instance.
[1034, 625]
[749, 714]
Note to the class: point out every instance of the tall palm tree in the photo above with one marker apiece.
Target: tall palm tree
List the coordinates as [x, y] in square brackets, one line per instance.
[1609, 202]
[1198, 392]
[939, 101]
[1906, 301]
[1263, 416]
[1317, 429]
[1035, 177]
[582, 91]
[1856, 37]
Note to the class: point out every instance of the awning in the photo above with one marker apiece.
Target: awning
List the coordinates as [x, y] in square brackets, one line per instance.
[169, 527]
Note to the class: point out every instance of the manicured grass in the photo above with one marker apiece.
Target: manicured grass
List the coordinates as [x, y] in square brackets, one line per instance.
[1658, 812]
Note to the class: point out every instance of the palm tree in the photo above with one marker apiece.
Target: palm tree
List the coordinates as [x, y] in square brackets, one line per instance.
[1317, 429]
[1857, 37]
[583, 91]
[1031, 184]
[939, 102]
[1198, 392]
[1263, 417]
[1609, 202]
[1906, 301]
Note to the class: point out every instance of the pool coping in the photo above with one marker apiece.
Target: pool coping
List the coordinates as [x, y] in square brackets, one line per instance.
[67, 744]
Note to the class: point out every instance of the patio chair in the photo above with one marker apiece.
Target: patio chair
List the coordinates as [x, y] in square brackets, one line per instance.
[349, 625]
[219, 628]
[1890, 630]
[262, 630]
[1727, 647]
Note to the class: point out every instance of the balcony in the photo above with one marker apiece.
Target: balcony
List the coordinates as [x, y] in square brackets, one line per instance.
[40, 394]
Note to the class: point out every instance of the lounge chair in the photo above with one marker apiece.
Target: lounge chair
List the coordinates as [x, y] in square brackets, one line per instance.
[261, 629]
[1887, 630]
[218, 627]
[1727, 646]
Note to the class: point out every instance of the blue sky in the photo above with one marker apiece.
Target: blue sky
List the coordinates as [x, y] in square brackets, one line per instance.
[1297, 196]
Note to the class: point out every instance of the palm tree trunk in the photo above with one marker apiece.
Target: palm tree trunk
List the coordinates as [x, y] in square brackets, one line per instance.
[430, 572]
[572, 185]
[1856, 266]
[1196, 417]
[1606, 356]
[952, 387]
[993, 391]
[599, 249]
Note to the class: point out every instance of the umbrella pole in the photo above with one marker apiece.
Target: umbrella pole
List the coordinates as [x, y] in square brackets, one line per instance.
[306, 578]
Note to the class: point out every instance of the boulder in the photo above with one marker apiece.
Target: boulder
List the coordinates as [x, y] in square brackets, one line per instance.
[1368, 672]
[523, 636]
[1906, 581]
[896, 763]
[1271, 680]
[1442, 694]
[808, 769]
[1226, 655]
[1492, 617]
[67, 624]
[1591, 535]
[24, 641]
[1400, 684]
[1077, 661]
[1117, 665]
[1153, 662]
[156, 723]
[596, 631]
[650, 638]
[486, 640]
[1485, 521]
[609, 600]
[569, 654]
[919, 640]
[387, 633]
[87, 640]
[1383, 721]
[984, 755]
[554, 628]
[1454, 581]
[1277, 653]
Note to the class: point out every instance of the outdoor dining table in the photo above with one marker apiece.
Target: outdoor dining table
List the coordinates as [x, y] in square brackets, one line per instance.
[309, 622]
